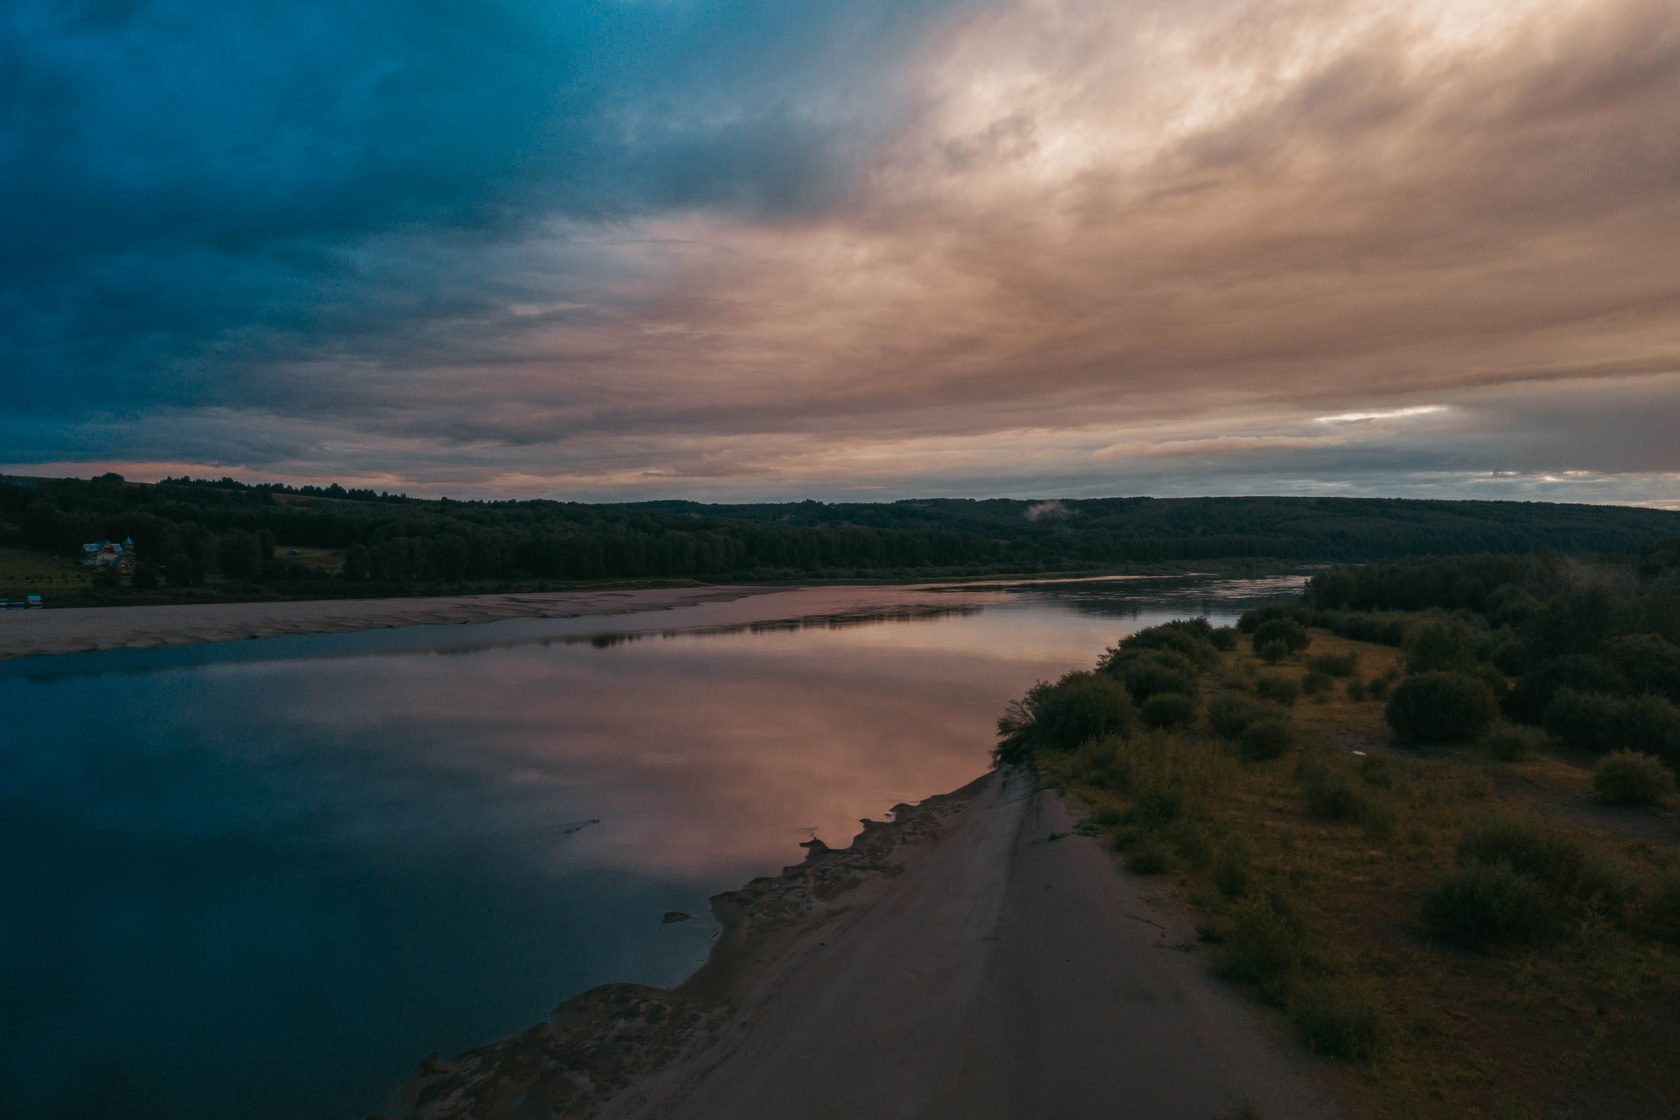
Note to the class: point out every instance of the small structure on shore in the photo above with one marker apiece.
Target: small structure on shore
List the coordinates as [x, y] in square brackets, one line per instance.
[110, 554]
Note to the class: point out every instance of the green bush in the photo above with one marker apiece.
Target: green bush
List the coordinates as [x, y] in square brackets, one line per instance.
[1487, 905]
[1147, 858]
[1262, 947]
[1278, 689]
[1317, 685]
[1273, 653]
[1535, 689]
[1225, 638]
[1510, 744]
[1150, 672]
[1335, 664]
[1339, 1021]
[1355, 689]
[1266, 738]
[1191, 639]
[1532, 847]
[1585, 721]
[1662, 907]
[1333, 798]
[1292, 634]
[1442, 645]
[1168, 709]
[1254, 619]
[1230, 715]
[1063, 715]
[1441, 707]
[1234, 873]
[1631, 778]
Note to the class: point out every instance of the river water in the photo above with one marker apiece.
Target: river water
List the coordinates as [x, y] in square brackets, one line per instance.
[263, 879]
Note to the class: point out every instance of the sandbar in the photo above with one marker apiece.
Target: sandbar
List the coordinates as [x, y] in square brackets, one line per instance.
[89, 629]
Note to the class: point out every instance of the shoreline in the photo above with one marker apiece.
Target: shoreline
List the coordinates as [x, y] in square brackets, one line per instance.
[970, 958]
[96, 629]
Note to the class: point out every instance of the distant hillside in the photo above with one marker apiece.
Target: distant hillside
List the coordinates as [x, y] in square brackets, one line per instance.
[186, 531]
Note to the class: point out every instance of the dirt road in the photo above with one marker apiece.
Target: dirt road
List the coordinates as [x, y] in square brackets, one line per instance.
[1000, 974]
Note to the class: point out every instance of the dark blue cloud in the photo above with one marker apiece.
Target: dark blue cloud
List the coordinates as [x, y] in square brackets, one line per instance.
[191, 187]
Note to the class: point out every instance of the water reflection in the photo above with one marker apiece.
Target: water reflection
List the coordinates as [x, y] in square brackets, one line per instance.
[265, 878]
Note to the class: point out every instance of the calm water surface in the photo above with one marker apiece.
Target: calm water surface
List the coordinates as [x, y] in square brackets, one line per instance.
[263, 879]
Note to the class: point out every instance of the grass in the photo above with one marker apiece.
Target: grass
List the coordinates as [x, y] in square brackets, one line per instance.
[1465, 929]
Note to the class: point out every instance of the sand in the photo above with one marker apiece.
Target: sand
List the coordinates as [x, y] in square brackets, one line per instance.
[85, 629]
[957, 962]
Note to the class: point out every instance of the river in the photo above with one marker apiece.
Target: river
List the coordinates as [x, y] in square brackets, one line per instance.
[262, 879]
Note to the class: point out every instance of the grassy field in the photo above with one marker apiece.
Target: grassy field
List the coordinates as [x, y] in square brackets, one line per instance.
[1329, 879]
[23, 572]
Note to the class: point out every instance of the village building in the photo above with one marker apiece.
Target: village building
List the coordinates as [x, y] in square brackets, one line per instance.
[110, 554]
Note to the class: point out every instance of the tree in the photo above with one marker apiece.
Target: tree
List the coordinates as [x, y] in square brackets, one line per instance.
[358, 565]
[237, 554]
[1441, 707]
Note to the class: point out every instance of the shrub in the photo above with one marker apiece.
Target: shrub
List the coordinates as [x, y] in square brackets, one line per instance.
[1335, 664]
[1273, 652]
[1509, 744]
[1292, 634]
[1440, 645]
[1662, 907]
[1252, 620]
[1266, 738]
[1355, 689]
[1277, 689]
[1317, 685]
[1650, 662]
[1225, 638]
[1150, 672]
[1535, 689]
[1586, 721]
[1061, 716]
[1631, 778]
[1234, 872]
[1339, 1021]
[1168, 709]
[1147, 858]
[1261, 948]
[1230, 715]
[1440, 707]
[1377, 687]
[1530, 847]
[1333, 798]
[1486, 905]
[1650, 724]
[1190, 639]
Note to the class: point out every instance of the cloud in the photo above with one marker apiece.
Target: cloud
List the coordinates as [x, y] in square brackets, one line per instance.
[760, 250]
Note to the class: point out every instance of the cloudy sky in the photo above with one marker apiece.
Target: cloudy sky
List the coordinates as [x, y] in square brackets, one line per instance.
[853, 249]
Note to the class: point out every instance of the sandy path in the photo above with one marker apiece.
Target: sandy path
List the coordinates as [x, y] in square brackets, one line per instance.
[84, 629]
[1003, 975]
[955, 963]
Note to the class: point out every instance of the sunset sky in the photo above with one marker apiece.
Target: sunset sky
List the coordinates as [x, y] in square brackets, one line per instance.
[847, 250]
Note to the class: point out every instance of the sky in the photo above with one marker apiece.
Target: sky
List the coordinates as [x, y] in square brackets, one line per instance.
[848, 250]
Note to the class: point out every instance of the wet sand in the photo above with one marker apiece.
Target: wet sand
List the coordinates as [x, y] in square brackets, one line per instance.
[957, 962]
[86, 629]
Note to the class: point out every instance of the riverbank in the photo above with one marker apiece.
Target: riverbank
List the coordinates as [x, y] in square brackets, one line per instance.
[90, 629]
[972, 958]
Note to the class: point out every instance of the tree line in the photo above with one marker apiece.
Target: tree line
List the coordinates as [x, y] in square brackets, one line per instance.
[187, 529]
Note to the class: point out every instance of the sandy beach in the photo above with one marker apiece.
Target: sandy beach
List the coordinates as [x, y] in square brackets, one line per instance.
[970, 959]
[87, 629]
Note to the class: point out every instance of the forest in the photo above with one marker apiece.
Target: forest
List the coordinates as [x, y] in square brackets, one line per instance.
[188, 531]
